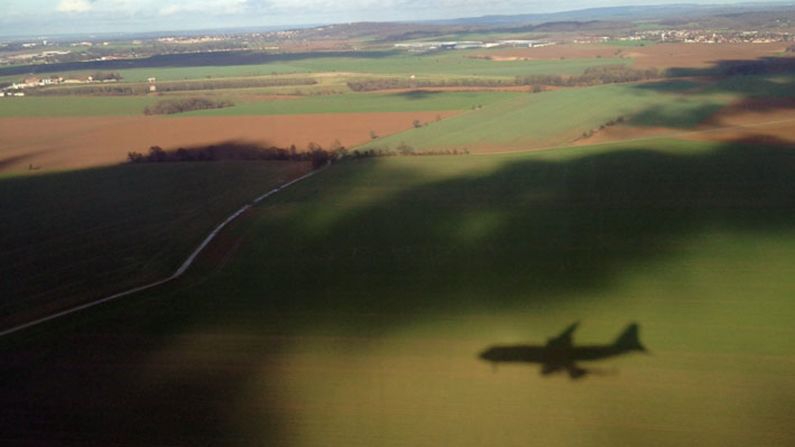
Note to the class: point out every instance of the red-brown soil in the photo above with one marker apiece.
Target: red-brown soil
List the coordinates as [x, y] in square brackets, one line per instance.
[61, 143]
[698, 55]
[662, 56]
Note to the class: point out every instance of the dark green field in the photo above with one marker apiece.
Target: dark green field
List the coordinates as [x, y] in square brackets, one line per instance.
[353, 308]
[73, 236]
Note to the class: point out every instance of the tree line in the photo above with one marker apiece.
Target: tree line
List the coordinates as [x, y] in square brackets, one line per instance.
[106, 76]
[235, 151]
[370, 85]
[180, 105]
[402, 149]
[605, 74]
[314, 153]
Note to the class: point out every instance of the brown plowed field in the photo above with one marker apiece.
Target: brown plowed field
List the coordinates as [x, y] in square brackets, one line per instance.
[662, 56]
[698, 55]
[61, 143]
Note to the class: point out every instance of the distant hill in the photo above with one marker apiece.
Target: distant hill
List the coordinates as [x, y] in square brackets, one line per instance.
[619, 13]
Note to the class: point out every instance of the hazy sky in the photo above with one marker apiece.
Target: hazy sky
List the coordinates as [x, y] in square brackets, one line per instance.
[33, 17]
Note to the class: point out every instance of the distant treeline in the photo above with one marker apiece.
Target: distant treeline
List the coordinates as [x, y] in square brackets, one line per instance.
[106, 76]
[763, 66]
[611, 123]
[180, 105]
[232, 83]
[89, 90]
[370, 85]
[235, 151]
[605, 74]
[170, 86]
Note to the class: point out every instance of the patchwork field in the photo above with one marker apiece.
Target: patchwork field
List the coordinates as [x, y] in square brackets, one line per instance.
[219, 65]
[589, 115]
[350, 310]
[557, 118]
[85, 142]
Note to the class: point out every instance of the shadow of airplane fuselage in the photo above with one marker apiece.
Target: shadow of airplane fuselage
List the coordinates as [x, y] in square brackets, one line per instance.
[559, 354]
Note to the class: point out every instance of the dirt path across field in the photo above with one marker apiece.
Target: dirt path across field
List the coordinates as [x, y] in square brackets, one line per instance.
[180, 271]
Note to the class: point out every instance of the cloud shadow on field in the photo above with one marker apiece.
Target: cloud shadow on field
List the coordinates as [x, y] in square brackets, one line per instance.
[8, 162]
[739, 67]
[762, 85]
[529, 232]
[675, 117]
[418, 94]
[535, 232]
[745, 86]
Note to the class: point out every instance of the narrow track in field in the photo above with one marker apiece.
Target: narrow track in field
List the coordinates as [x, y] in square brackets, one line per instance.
[180, 271]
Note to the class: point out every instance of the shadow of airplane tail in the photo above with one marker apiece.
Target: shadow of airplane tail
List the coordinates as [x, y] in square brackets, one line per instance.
[629, 340]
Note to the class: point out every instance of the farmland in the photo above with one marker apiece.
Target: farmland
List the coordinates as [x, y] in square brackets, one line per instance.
[217, 66]
[557, 118]
[354, 305]
[72, 143]
[478, 185]
[73, 106]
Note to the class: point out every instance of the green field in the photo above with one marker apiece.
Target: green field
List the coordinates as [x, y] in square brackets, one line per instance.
[73, 106]
[234, 71]
[558, 117]
[353, 310]
[416, 101]
[76, 235]
[452, 63]
[32, 106]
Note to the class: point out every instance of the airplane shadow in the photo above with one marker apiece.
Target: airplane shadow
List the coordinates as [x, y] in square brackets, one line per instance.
[560, 354]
